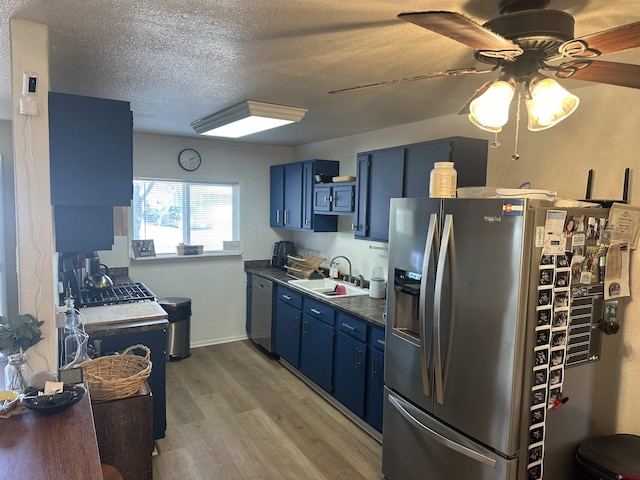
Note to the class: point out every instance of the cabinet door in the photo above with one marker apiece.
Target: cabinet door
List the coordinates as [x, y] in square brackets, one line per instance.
[287, 336]
[385, 183]
[360, 224]
[349, 377]
[307, 198]
[276, 194]
[293, 195]
[343, 197]
[316, 351]
[374, 388]
[83, 228]
[91, 151]
[419, 160]
[321, 199]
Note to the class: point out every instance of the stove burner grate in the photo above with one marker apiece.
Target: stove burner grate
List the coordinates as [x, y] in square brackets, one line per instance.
[119, 293]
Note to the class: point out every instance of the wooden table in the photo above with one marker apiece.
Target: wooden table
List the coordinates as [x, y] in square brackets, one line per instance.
[61, 446]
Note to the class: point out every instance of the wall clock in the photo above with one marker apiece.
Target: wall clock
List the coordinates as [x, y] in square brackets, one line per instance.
[189, 159]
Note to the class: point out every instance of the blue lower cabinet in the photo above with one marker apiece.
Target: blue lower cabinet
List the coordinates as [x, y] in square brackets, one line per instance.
[287, 333]
[316, 351]
[349, 375]
[374, 388]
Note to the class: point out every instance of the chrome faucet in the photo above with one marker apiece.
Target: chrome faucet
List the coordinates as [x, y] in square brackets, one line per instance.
[348, 279]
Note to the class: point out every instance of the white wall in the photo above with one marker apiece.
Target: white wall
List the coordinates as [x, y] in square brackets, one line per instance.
[601, 135]
[216, 285]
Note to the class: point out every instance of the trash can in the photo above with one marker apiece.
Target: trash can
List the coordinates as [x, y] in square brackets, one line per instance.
[179, 332]
[609, 458]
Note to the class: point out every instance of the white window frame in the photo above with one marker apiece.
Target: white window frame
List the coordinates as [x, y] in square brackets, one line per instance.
[232, 250]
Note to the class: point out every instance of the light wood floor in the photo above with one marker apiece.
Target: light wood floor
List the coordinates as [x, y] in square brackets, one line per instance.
[235, 413]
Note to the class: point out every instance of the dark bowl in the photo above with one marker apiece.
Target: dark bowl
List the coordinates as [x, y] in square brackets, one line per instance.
[323, 178]
[50, 404]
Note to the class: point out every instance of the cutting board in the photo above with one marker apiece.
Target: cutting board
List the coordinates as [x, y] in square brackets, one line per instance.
[126, 312]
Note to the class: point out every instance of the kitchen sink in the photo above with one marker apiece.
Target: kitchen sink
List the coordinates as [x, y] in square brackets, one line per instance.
[326, 287]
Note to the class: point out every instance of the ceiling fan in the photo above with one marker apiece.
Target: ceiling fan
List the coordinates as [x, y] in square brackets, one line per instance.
[521, 42]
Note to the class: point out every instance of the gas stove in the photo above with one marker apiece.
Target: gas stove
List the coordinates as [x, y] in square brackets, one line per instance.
[120, 293]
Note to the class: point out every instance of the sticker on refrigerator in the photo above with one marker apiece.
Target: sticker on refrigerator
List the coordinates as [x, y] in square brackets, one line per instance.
[513, 207]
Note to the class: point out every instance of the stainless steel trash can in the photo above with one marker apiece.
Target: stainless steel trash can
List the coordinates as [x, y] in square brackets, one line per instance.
[179, 332]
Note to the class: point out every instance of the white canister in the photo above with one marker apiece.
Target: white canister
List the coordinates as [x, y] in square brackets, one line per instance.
[377, 283]
[443, 180]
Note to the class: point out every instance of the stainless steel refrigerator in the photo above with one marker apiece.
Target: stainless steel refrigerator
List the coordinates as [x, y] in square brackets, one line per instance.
[463, 331]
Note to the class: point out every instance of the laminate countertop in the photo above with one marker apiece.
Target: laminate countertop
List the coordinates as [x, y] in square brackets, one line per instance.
[370, 309]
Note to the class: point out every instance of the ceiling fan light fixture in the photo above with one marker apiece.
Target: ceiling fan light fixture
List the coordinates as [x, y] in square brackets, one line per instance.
[490, 111]
[548, 103]
[246, 118]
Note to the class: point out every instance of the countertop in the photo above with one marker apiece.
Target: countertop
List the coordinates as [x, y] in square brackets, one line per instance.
[59, 446]
[370, 309]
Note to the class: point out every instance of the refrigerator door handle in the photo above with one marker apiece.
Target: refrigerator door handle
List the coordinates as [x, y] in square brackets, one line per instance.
[431, 245]
[446, 254]
[440, 438]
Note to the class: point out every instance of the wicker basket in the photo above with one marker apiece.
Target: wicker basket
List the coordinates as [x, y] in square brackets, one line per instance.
[117, 376]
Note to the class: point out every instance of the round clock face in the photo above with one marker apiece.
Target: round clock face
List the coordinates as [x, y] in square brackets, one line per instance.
[189, 159]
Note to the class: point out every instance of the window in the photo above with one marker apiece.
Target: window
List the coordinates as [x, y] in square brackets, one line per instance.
[170, 212]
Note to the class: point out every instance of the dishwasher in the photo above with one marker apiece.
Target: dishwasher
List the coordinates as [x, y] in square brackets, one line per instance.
[261, 312]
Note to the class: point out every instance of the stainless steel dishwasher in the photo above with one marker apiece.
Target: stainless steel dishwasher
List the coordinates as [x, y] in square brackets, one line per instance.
[261, 312]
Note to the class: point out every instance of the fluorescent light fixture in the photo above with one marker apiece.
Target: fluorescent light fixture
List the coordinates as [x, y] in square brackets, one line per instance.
[548, 103]
[246, 118]
[490, 111]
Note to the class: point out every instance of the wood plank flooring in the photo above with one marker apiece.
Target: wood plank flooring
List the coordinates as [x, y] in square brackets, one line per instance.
[235, 413]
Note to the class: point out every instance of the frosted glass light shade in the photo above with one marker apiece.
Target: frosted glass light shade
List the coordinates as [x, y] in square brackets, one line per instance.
[549, 103]
[490, 111]
[246, 118]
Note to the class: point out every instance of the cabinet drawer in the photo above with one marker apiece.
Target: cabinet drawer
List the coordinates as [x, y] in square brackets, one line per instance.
[319, 310]
[352, 326]
[377, 338]
[290, 297]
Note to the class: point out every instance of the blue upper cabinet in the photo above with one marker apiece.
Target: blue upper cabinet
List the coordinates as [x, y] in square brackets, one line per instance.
[404, 172]
[292, 193]
[91, 151]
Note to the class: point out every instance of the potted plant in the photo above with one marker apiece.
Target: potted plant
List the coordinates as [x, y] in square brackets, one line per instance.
[17, 334]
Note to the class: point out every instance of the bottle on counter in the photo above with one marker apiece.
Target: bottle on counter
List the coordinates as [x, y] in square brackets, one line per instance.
[75, 341]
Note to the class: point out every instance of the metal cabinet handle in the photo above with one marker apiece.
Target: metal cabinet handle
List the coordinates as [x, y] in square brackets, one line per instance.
[317, 312]
[285, 217]
[294, 321]
[304, 330]
[357, 357]
[381, 342]
[350, 327]
[277, 216]
[286, 297]
[374, 363]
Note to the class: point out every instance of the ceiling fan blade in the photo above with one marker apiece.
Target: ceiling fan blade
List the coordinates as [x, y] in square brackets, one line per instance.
[446, 73]
[613, 40]
[466, 110]
[612, 73]
[464, 30]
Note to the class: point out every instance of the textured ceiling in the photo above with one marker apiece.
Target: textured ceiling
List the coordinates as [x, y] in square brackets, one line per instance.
[179, 60]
